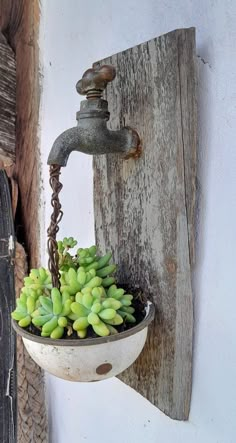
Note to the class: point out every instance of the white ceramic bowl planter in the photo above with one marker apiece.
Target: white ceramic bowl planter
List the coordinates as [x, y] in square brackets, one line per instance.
[90, 359]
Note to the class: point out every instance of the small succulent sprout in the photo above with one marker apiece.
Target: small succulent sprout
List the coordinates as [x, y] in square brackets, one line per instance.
[53, 314]
[86, 256]
[89, 260]
[24, 310]
[69, 242]
[69, 282]
[73, 282]
[37, 283]
[66, 260]
[87, 310]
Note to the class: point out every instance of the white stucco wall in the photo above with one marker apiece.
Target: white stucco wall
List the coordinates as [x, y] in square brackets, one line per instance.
[74, 34]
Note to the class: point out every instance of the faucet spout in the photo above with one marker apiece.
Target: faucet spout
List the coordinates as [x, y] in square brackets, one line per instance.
[63, 146]
[92, 136]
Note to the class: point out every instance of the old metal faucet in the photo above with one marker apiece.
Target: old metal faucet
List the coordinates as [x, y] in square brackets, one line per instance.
[91, 135]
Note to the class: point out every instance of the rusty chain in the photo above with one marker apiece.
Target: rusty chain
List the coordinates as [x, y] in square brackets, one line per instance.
[53, 261]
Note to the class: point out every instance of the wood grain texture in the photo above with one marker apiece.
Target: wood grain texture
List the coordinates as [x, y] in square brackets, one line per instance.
[8, 404]
[19, 21]
[7, 102]
[144, 209]
[27, 106]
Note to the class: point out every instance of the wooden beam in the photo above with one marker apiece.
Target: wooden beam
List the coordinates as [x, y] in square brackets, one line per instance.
[8, 404]
[19, 22]
[7, 102]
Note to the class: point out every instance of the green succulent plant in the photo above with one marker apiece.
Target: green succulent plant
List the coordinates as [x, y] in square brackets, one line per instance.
[96, 308]
[52, 314]
[66, 260]
[88, 296]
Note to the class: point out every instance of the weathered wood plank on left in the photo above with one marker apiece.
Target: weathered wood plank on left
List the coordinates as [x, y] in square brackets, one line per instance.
[8, 405]
[7, 102]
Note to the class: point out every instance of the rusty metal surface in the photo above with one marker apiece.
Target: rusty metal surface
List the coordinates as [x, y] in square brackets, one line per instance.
[91, 135]
[95, 80]
[53, 227]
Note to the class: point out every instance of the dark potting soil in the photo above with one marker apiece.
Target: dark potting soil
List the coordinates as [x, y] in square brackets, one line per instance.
[139, 304]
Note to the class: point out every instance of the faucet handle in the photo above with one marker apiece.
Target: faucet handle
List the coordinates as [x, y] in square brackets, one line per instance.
[95, 80]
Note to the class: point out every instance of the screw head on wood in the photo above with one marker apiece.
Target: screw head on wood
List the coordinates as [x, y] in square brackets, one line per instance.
[95, 80]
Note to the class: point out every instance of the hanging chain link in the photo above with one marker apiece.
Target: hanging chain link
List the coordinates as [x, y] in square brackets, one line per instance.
[53, 262]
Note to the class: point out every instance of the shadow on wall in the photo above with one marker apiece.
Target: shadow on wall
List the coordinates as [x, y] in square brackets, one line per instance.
[204, 131]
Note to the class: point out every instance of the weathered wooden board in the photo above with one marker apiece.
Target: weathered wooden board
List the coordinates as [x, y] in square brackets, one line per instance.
[144, 209]
[8, 416]
[7, 102]
[19, 22]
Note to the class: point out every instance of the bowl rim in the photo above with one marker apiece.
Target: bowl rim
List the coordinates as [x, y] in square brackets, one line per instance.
[150, 312]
